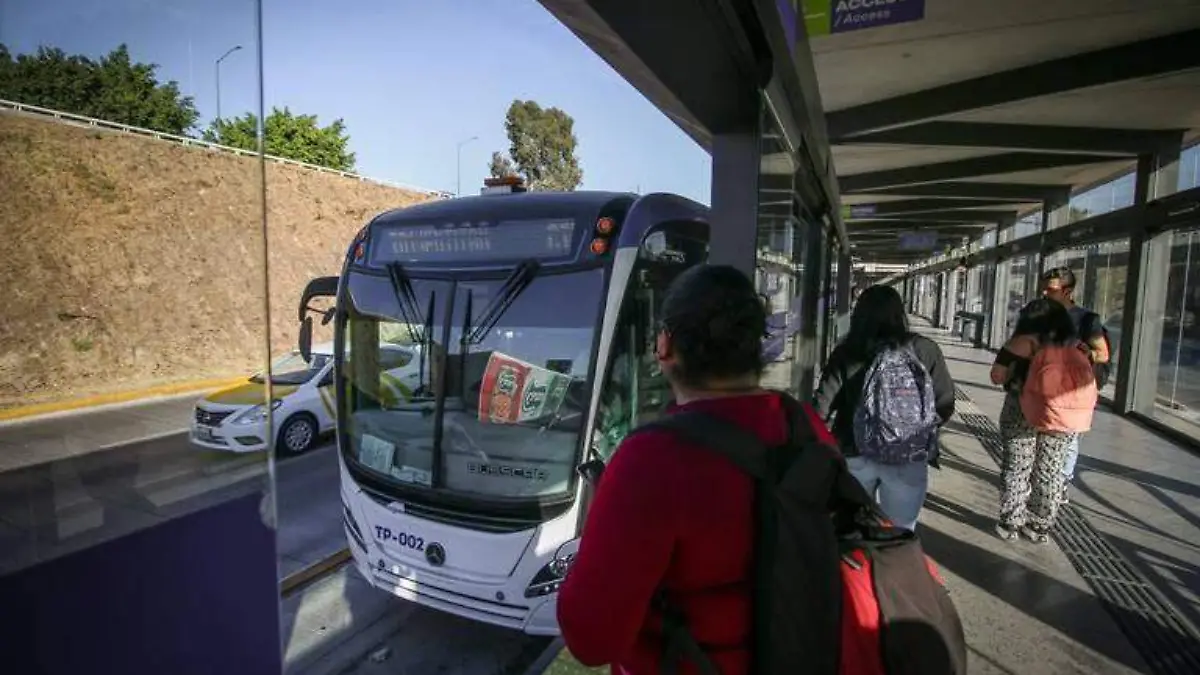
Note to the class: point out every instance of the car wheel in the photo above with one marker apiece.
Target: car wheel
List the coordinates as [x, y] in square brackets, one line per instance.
[297, 435]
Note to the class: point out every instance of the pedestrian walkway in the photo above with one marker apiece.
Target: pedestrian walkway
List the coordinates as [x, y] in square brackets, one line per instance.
[1118, 590]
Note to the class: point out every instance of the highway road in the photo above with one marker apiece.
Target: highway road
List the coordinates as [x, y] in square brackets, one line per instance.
[92, 485]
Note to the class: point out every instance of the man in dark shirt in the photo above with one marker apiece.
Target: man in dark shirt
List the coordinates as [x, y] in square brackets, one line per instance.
[1059, 284]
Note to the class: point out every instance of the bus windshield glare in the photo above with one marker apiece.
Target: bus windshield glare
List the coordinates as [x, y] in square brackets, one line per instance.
[513, 394]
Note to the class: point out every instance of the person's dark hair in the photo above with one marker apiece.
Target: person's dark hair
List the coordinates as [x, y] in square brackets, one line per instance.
[1063, 274]
[878, 321]
[1047, 320]
[716, 321]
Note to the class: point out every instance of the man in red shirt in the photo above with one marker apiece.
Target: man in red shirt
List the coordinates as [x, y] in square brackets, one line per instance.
[672, 517]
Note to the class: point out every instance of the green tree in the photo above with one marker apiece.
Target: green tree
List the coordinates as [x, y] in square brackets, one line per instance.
[501, 166]
[115, 88]
[541, 147]
[288, 135]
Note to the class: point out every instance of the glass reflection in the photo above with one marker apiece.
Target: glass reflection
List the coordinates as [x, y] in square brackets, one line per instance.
[1100, 271]
[1178, 384]
[134, 262]
[778, 265]
[140, 300]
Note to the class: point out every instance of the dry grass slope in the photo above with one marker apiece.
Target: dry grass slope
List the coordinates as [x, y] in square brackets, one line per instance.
[131, 262]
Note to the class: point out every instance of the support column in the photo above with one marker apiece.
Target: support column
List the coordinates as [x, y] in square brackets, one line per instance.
[999, 308]
[808, 358]
[843, 283]
[950, 299]
[1145, 289]
[734, 214]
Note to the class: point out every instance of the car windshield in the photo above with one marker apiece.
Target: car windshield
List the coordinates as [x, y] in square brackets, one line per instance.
[292, 369]
[515, 393]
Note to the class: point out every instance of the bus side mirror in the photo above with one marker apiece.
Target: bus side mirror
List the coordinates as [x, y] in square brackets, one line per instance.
[591, 471]
[306, 329]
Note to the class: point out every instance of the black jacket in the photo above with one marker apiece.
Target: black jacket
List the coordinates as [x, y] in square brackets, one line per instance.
[840, 390]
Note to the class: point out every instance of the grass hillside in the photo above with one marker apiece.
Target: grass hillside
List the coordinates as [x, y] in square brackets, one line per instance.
[130, 262]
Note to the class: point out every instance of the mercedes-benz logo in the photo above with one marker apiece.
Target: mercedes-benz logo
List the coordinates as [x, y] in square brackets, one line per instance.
[435, 554]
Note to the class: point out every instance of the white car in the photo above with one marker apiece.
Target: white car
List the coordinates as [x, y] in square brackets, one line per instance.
[235, 419]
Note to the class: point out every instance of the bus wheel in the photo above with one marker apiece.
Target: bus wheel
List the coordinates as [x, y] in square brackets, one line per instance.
[297, 435]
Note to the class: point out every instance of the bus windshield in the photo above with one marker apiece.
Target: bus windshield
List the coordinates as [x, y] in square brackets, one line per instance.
[513, 393]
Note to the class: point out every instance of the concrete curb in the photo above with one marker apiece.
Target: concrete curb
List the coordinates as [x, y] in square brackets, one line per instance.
[39, 409]
[300, 578]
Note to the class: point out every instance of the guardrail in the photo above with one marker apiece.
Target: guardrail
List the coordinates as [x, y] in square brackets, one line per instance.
[59, 115]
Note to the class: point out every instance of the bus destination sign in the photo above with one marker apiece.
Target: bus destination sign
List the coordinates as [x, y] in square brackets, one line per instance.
[474, 242]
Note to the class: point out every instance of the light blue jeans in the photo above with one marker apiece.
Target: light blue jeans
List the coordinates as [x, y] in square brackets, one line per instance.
[899, 488]
[1072, 457]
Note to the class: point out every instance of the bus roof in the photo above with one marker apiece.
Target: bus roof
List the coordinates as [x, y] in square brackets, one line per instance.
[516, 205]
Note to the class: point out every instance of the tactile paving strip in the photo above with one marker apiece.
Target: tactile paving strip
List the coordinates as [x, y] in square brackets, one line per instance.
[1168, 643]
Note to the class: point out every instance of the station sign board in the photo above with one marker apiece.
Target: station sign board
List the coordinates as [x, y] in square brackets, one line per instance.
[918, 241]
[827, 17]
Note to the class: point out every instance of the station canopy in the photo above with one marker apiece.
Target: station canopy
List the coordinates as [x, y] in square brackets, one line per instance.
[950, 117]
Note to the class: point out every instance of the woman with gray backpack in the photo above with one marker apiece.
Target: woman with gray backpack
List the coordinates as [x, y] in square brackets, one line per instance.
[886, 392]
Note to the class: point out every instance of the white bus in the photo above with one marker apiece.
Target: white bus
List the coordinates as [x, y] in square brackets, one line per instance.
[535, 314]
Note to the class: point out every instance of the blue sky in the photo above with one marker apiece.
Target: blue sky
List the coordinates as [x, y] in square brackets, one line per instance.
[410, 78]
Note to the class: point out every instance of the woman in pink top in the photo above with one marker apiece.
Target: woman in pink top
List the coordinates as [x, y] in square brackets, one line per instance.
[1032, 468]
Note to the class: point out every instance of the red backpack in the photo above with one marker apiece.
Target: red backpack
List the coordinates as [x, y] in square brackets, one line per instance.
[1060, 392]
[836, 589]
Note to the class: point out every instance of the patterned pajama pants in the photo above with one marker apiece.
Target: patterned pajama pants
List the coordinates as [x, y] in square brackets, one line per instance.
[1032, 471]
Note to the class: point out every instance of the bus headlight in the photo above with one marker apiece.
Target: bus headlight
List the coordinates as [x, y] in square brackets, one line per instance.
[257, 414]
[551, 576]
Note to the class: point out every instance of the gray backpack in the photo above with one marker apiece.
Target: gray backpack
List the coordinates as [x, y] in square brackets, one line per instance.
[896, 421]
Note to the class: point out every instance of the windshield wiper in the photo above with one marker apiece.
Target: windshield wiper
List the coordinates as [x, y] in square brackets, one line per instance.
[420, 334]
[407, 299]
[513, 286]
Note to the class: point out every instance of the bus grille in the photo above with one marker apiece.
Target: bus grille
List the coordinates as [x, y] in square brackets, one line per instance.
[211, 419]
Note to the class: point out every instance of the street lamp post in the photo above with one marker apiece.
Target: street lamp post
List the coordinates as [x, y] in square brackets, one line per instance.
[231, 50]
[458, 166]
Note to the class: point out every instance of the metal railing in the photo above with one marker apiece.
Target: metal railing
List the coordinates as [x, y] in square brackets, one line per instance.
[71, 118]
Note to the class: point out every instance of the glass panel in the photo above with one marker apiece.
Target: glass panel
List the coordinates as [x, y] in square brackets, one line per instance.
[989, 239]
[1189, 168]
[1017, 293]
[1178, 389]
[1028, 225]
[974, 293]
[780, 265]
[1100, 271]
[134, 463]
[1116, 194]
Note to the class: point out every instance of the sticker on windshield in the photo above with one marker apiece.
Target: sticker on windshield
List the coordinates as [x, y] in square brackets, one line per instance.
[515, 391]
[411, 474]
[376, 453]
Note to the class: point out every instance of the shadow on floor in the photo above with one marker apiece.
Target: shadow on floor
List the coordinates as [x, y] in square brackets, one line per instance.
[975, 362]
[1037, 595]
